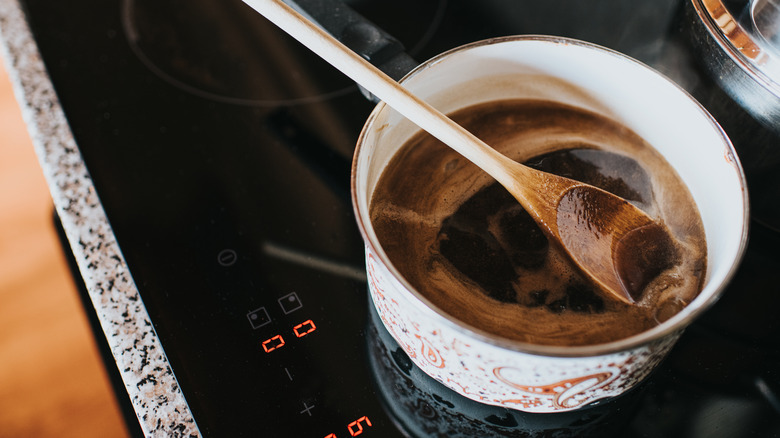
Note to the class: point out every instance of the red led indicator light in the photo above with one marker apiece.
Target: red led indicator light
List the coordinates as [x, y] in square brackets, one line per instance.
[356, 428]
[272, 344]
[304, 328]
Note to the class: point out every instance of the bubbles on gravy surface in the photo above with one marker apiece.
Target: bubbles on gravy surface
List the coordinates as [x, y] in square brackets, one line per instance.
[467, 245]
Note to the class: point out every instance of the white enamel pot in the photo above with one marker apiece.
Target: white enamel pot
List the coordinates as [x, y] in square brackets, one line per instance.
[537, 378]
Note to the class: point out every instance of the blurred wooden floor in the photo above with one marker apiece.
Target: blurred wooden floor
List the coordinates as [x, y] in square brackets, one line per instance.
[52, 383]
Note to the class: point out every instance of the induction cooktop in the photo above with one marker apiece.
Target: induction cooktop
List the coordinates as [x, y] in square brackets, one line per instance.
[220, 150]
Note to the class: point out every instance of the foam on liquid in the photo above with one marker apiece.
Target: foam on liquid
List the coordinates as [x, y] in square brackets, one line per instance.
[465, 244]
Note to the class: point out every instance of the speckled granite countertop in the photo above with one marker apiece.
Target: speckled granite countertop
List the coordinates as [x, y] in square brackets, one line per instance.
[150, 383]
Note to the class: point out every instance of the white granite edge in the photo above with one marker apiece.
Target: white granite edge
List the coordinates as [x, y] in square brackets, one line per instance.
[153, 389]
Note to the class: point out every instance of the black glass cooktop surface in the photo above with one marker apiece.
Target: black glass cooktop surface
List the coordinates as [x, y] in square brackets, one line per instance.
[221, 152]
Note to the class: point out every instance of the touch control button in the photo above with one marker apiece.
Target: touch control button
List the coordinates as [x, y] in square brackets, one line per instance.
[258, 318]
[290, 303]
[307, 409]
[227, 257]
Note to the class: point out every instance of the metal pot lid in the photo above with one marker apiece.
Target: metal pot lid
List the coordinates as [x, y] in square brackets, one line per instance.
[747, 32]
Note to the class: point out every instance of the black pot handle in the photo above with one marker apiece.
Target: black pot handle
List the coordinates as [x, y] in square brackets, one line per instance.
[359, 34]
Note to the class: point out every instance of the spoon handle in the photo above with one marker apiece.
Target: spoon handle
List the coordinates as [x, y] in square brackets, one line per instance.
[388, 90]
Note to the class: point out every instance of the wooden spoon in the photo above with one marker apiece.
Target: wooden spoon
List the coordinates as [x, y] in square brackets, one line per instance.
[614, 243]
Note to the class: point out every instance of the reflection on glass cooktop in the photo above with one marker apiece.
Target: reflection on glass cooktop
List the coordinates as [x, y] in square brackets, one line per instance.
[188, 44]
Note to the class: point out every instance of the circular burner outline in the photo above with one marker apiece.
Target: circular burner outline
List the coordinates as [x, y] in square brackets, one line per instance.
[132, 38]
